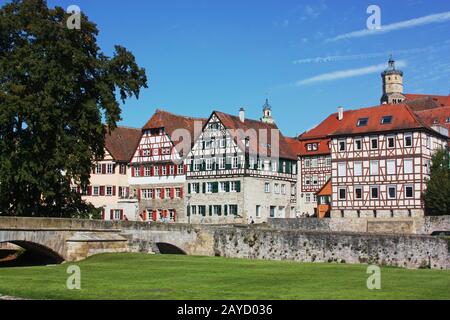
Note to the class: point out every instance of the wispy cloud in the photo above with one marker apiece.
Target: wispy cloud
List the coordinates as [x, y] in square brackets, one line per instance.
[433, 18]
[344, 74]
[338, 58]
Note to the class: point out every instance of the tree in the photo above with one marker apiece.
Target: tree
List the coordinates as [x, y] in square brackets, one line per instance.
[56, 87]
[437, 194]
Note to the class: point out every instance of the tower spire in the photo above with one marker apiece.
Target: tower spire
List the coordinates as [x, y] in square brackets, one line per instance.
[392, 84]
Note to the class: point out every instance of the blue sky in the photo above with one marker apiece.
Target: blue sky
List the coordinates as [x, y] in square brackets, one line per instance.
[222, 55]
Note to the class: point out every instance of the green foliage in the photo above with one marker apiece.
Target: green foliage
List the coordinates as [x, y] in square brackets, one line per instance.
[437, 194]
[55, 88]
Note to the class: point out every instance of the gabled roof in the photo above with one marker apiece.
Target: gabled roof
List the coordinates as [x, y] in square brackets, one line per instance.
[323, 129]
[170, 122]
[263, 144]
[326, 189]
[323, 147]
[402, 119]
[437, 116]
[121, 142]
[425, 101]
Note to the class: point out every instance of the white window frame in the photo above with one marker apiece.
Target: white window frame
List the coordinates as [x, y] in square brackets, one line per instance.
[267, 187]
[391, 167]
[378, 192]
[342, 166]
[412, 191]
[408, 135]
[339, 194]
[358, 169]
[374, 167]
[389, 194]
[410, 168]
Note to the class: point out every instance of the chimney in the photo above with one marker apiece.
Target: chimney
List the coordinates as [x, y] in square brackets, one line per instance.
[340, 113]
[242, 115]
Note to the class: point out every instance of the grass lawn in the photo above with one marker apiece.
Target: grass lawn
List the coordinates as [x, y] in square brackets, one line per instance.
[140, 276]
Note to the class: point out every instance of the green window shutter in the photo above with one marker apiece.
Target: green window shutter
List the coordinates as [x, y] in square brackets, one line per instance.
[227, 186]
[215, 187]
[225, 207]
[204, 187]
[189, 188]
[188, 211]
[220, 211]
[210, 211]
[238, 186]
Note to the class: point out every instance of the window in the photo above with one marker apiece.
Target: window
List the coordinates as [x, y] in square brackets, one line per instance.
[358, 144]
[222, 187]
[272, 211]
[314, 198]
[408, 166]
[308, 198]
[177, 192]
[283, 189]
[252, 162]
[374, 168]
[109, 191]
[209, 163]
[342, 193]
[180, 169]
[391, 142]
[408, 140]
[358, 193]
[312, 146]
[222, 143]
[274, 166]
[217, 210]
[374, 143]
[171, 170]
[374, 193]
[110, 168]
[233, 186]
[307, 163]
[409, 192]
[156, 169]
[307, 180]
[362, 122]
[386, 120]
[164, 170]
[209, 187]
[258, 211]
[235, 162]
[222, 163]
[147, 171]
[314, 163]
[194, 210]
[123, 169]
[342, 168]
[195, 187]
[98, 169]
[267, 187]
[95, 191]
[146, 194]
[158, 193]
[233, 209]
[328, 161]
[197, 164]
[391, 166]
[276, 188]
[117, 214]
[358, 169]
[342, 145]
[315, 180]
[165, 150]
[392, 192]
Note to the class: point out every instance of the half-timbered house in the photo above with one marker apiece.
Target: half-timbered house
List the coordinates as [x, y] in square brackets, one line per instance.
[158, 172]
[109, 189]
[240, 171]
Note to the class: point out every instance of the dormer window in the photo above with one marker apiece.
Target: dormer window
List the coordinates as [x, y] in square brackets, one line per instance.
[362, 122]
[447, 120]
[312, 146]
[386, 120]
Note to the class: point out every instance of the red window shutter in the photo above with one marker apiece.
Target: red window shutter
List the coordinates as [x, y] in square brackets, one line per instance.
[121, 214]
[132, 171]
[160, 151]
[163, 191]
[181, 192]
[184, 167]
[168, 169]
[138, 192]
[174, 215]
[103, 168]
[154, 194]
[89, 191]
[102, 190]
[152, 171]
[172, 191]
[111, 214]
[103, 214]
[142, 171]
[114, 168]
[93, 169]
[114, 190]
[144, 215]
[175, 169]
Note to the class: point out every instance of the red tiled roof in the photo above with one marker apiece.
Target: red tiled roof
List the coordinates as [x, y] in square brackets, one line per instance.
[436, 116]
[326, 189]
[427, 100]
[402, 119]
[170, 122]
[263, 144]
[121, 142]
[323, 129]
[295, 145]
[323, 147]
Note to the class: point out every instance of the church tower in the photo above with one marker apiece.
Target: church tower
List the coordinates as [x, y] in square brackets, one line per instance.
[267, 113]
[392, 85]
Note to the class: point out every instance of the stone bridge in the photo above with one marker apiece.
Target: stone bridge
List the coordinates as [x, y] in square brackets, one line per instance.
[73, 240]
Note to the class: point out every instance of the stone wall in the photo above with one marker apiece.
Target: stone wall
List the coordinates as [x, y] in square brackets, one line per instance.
[424, 225]
[393, 250]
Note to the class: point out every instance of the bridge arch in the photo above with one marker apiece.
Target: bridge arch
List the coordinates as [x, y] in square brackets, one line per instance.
[35, 254]
[168, 248]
